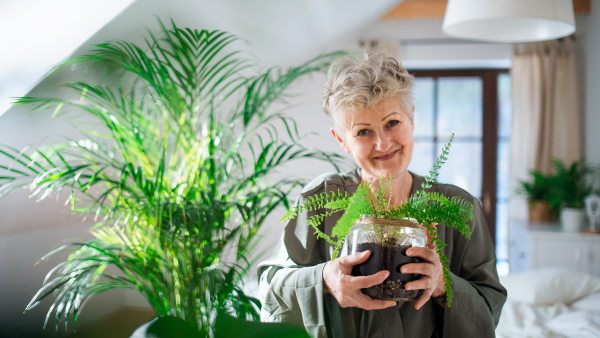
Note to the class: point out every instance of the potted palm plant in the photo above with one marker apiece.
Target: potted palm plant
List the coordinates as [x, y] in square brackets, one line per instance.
[570, 186]
[538, 191]
[176, 170]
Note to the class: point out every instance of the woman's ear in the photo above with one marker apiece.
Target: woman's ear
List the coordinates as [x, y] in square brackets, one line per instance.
[340, 141]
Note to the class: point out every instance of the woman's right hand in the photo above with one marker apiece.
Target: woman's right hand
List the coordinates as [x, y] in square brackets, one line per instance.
[345, 288]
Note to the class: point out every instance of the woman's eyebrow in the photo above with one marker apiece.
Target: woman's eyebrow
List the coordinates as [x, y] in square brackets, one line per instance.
[368, 124]
[389, 116]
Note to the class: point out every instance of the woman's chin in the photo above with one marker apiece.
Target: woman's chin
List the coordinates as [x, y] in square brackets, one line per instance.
[374, 171]
[394, 170]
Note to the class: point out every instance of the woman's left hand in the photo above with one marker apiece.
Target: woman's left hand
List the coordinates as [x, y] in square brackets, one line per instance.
[432, 281]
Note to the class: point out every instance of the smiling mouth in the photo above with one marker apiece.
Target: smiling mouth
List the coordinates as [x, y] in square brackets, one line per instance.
[386, 156]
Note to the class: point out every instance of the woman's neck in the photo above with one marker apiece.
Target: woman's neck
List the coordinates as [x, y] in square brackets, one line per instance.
[401, 186]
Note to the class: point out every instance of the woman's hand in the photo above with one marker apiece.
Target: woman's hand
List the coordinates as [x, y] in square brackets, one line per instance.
[345, 288]
[432, 281]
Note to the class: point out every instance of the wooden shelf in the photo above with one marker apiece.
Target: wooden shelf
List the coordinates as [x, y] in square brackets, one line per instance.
[435, 9]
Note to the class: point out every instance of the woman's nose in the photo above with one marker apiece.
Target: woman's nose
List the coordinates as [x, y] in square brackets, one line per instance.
[383, 142]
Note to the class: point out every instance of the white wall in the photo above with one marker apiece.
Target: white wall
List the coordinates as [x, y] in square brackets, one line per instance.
[21, 278]
[424, 45]
[21, 63]
[591, 87]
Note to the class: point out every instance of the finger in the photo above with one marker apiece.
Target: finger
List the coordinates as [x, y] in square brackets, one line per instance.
[431, 246]
[428, 238]
[423, 299]
[365, 302]
[425, 253]
[428, 235]
[356, 258]
[364, 282]
[421, 284]
[427, 269]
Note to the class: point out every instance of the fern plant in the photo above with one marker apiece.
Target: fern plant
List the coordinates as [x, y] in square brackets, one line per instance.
[176, 169]
[428, 208]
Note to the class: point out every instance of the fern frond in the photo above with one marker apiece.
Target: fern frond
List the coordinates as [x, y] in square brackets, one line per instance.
[438, 164]
[340, 202]
[358, 205]
[316, 220]
[316, 202]
[439, 246]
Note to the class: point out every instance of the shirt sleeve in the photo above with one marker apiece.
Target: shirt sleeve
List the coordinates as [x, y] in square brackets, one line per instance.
[291, 282]
[478, 296]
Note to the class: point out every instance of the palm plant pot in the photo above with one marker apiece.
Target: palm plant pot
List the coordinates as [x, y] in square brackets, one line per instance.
[167, 327]
[225, 326]
[540, 211]
[387, 239]
[572, 219]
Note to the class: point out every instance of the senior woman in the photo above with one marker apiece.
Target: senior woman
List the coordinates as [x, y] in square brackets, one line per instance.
[369, 103]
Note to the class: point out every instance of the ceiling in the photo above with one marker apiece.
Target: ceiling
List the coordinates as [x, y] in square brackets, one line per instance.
[37, 34]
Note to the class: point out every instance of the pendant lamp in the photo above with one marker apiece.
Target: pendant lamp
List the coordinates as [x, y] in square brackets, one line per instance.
[509, 20]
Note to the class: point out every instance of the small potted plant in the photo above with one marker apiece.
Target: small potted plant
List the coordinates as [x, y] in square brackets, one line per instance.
[370, 222]
[570, 186]
[539, 195]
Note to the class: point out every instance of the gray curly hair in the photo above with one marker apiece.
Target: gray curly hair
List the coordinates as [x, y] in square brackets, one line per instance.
[355, 83]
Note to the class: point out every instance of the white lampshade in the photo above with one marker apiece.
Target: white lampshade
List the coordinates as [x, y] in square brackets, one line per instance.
[509, 20]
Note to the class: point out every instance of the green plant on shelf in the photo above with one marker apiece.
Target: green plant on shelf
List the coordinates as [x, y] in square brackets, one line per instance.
[428, 208]
[539, 188]
[176, 168]
[571, 185]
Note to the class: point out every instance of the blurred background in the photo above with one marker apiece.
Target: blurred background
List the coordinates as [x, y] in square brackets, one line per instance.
[456, 80]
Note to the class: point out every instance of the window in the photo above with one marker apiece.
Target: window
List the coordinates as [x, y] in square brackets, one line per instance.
[475, 105]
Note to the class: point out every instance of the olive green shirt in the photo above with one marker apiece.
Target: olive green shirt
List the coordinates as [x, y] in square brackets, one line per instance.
[291, 282]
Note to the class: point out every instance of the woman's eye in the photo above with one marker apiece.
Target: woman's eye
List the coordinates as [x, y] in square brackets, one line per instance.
[362, 132]
[393, 123]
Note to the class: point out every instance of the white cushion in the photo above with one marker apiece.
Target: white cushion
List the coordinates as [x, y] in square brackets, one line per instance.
[549, 286]
[579, 324]
[591, 302]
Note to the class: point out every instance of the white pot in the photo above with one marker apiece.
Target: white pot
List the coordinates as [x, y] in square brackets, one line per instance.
[572, 219]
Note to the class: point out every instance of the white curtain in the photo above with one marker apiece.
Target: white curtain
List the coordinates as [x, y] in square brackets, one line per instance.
[545, 119]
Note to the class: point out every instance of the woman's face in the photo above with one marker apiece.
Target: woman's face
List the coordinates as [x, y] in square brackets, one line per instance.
[379, 138]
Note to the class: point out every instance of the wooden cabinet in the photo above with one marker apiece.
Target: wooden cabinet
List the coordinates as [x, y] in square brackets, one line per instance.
[546, 245]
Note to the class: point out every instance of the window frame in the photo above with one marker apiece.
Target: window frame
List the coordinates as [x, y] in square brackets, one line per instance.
[490, 137]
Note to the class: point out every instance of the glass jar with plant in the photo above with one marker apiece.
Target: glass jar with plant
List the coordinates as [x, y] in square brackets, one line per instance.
[387, 238]
[371, 221]
[176, 167]
[542, 208]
